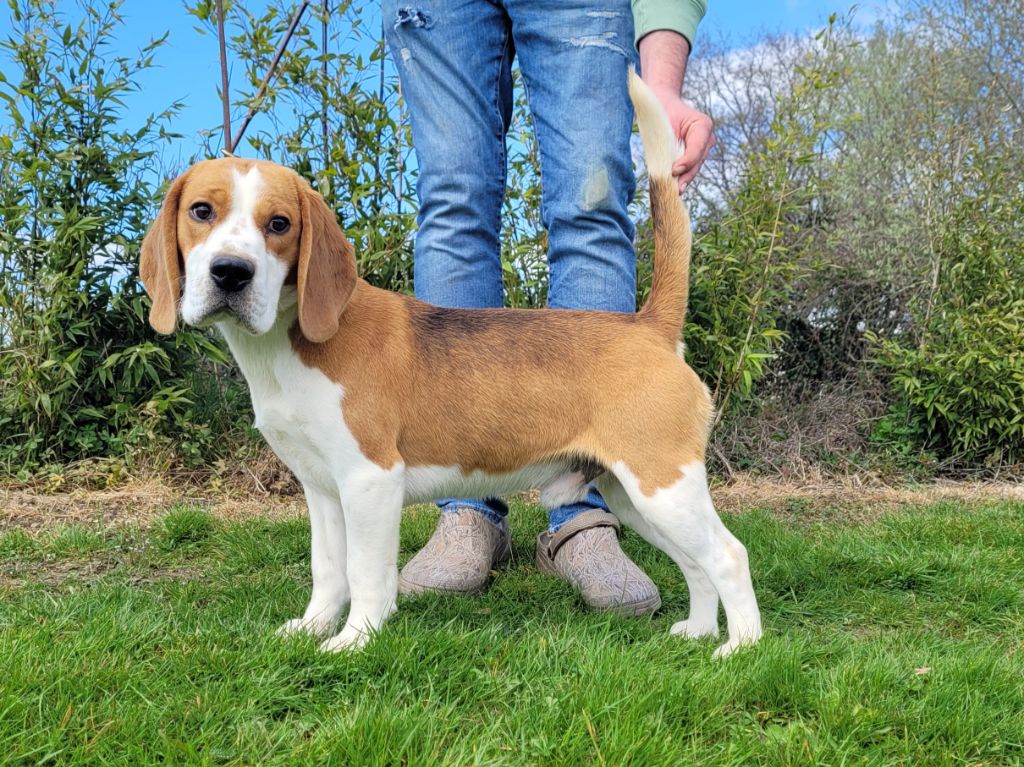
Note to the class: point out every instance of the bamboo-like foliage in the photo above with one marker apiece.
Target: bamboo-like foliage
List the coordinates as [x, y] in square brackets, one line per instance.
[858, 226]
[81, 374]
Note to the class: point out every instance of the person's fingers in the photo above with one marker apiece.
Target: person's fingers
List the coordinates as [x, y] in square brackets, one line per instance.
[698, 138]
[696, 130]
[688, 176]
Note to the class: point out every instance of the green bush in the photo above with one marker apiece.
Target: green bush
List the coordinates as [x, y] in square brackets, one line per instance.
[748, 261]
[81, 373]
[867, 201]
[962, 379]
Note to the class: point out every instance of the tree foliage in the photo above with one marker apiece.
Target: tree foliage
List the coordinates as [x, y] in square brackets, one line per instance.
[918, 178]
[963, 379]
[81, 375]
[858, 225]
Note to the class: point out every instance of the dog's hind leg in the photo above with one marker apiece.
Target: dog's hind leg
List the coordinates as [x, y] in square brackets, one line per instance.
[703, 618]
[681, 520]
[328, 555]
[371, 499]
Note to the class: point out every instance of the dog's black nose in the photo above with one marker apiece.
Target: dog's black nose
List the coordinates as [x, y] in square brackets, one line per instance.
[231, 274]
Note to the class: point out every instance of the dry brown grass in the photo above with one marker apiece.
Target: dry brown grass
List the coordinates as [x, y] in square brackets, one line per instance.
[850, 498]
[136, 502]
[817, 437]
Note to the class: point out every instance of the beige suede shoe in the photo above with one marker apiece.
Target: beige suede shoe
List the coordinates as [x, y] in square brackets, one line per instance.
[585, 552]
[459, 556]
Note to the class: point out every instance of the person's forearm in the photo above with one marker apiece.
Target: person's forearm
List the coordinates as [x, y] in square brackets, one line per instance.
[663, 55]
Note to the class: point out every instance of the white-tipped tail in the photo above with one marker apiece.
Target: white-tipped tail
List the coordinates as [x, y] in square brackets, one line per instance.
[660, 145]
[666, 305]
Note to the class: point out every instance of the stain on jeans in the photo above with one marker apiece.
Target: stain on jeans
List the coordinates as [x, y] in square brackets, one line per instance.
[597, 190]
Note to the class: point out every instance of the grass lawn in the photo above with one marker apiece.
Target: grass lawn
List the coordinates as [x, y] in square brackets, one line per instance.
[898, 640]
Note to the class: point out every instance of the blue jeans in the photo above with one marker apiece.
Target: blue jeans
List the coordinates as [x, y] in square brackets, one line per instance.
[454, 60]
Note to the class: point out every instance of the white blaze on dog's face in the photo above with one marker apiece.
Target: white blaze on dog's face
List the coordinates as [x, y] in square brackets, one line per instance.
[238, 245]
[239, 232]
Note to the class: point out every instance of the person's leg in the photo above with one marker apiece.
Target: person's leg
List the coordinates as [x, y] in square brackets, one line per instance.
[454, 63]
[574, 57]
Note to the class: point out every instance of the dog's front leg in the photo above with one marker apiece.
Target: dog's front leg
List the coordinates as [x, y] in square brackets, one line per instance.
[328, 555]
[372, 500]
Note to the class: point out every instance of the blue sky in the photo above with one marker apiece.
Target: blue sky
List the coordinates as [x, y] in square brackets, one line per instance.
[188, 68]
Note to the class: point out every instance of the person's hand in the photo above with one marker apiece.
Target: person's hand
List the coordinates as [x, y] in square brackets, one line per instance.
[663, 55]
[694, 129]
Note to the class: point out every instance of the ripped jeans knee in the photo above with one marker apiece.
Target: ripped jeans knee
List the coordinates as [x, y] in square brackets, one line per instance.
[411, 16]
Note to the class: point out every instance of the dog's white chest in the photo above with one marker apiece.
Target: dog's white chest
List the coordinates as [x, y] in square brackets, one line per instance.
[290, 433]
[297, 409]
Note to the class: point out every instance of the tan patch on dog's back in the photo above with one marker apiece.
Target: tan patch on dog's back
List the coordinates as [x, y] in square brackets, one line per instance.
[495, 390]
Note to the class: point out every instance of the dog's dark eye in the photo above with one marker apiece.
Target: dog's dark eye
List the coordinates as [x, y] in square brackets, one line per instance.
[201, 211]
[279, 225]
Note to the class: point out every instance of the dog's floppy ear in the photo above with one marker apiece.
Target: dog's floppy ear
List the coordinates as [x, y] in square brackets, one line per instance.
[327, 268]
[160, 262]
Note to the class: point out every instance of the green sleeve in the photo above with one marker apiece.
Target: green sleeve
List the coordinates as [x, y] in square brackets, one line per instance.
[680, 16]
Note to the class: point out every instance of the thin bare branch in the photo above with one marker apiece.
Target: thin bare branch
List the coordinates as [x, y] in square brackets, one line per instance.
[225, 92]
[271, 71]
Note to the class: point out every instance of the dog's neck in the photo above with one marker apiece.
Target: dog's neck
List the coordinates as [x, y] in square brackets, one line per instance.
[255, 353]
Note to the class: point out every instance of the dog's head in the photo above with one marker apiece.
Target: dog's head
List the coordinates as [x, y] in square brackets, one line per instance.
[239, 232]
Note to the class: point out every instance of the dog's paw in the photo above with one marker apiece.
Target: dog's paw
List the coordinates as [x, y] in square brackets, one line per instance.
[315, 626]
[693, 630]
[732, 646]
[349, 638]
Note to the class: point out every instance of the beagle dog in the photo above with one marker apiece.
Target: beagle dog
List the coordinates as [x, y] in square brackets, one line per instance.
[349, 388]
